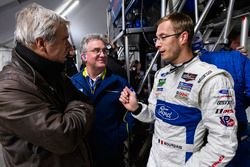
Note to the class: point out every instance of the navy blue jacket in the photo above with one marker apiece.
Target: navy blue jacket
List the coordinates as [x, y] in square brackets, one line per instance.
[238, 66]
[112, 122]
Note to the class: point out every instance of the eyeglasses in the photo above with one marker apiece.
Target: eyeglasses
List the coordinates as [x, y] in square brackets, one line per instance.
[98, 51]
[162, 38]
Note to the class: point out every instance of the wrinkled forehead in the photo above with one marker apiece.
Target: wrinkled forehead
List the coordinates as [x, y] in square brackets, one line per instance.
[95, 43]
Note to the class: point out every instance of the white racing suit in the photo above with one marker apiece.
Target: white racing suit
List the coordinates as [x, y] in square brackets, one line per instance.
[189, 105]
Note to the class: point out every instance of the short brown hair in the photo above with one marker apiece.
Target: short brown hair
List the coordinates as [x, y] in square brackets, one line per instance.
[181, 22]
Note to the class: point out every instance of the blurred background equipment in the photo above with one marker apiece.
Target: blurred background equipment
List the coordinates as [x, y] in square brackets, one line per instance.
[130, 27]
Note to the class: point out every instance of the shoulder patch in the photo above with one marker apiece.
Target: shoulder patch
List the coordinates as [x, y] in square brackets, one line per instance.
[204, 75]
[188, 76]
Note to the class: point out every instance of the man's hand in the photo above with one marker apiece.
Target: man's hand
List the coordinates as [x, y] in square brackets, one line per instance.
[242, 50]
[128, 99]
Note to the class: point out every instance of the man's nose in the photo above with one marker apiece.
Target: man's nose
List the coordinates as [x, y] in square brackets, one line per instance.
[157, 44]
[102, 55]
[103, 52]
[68, 46]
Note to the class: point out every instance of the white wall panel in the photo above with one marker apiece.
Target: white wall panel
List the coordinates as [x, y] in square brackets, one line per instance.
[5, 56]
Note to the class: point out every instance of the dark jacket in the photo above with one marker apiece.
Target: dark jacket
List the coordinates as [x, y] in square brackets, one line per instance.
[238, 66]
[43, 119]
[112, 123]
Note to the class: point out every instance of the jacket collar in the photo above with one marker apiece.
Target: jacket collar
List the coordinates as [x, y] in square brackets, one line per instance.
[42, 65]
[102, 75]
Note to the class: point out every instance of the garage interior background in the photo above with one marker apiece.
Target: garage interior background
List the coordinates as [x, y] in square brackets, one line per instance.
[88, 16]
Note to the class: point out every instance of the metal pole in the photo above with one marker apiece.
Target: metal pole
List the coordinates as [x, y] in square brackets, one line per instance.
[108, 23]
[118, 37]
[127, 57]
[181, 5]
[228, 20]
[125, 40]
[163, 13]
[147, 72]
[244, 31]
[123, 16]
[203, 15]
[212, 25]
[218, 41]
[163, 8]
[206, 34]
[221, 35]
[196, 11]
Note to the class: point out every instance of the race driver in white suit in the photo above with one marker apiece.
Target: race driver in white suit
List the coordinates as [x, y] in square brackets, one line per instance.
[191, 103]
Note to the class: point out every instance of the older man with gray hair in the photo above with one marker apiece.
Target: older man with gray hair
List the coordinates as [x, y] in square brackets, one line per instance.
[112, 124]
[43, 118]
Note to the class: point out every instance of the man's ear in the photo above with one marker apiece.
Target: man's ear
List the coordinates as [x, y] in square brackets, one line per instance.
[40, 45]
[84, 57]
[184, 37]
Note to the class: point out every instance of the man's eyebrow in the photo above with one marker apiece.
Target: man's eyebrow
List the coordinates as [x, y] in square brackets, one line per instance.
[161, 34]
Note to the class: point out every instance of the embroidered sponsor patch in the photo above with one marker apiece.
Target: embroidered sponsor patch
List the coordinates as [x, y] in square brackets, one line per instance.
[185, 86]
[219, 161]
[181, 95]
[188, 76]
[227, 121]
[204, 76]
[161, 82]
[169, 144]
[224, 102]
[224, 111]
[166, 113]
[164, 74]
[159, 89]
[224, 91]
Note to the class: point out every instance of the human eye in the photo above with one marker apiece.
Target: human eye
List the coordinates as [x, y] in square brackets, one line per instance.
[164, 36]
[105, 51]
[96, 50]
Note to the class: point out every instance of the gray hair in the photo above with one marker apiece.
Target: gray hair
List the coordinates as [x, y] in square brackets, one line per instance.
[89, 37]
[35, 21]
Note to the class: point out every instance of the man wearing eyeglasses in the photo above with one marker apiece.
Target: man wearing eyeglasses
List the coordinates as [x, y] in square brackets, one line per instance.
[112, 124]
[191, 102]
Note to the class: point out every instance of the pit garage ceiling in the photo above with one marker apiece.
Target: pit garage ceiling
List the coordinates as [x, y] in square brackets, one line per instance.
[83, 19]
[89, 16]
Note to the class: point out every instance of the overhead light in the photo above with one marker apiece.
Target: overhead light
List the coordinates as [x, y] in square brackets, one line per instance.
[66, 7]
